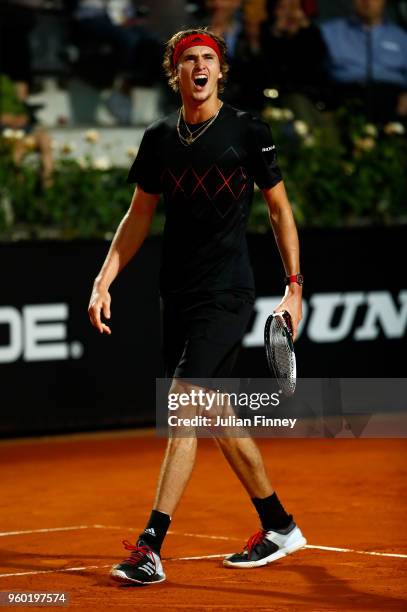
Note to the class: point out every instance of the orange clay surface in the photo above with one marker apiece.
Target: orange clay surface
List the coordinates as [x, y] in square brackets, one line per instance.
[344, 493]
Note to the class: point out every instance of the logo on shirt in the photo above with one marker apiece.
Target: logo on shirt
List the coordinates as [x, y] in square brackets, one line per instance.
[265, 149]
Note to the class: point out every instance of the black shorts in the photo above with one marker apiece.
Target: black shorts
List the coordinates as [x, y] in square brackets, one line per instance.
[202, 334]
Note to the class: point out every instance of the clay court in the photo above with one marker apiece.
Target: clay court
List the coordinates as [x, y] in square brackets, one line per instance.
[67, 502]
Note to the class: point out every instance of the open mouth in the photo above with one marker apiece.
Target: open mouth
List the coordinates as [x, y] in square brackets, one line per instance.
[200, 80]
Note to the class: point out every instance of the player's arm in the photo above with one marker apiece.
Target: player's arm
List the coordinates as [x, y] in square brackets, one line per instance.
[127, 240]
[286, 235]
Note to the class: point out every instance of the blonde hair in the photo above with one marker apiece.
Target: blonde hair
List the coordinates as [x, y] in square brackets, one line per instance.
[171, 70]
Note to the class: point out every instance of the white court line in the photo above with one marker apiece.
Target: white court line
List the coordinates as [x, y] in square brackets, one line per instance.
[192, 558]
[170, 532]
[359, 552]
[218, 556]
[201, 535]
[90, 567]
[191, 535]
[194, 535]
[10, 533]
[229, 539]
[54, 571]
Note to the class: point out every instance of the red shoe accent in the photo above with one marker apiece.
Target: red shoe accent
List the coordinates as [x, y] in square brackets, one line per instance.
[255, 539]
[137, 553]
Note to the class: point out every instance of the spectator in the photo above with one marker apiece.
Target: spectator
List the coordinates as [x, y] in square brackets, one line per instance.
[17, 19]
[294, 57]
[16, 125]
[135, 52]
[368, 60]
[225, 18]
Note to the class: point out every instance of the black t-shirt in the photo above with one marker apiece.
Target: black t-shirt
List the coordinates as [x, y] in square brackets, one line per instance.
[207, 189]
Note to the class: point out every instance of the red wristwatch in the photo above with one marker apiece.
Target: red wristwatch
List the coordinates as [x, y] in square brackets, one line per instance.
[294, 278]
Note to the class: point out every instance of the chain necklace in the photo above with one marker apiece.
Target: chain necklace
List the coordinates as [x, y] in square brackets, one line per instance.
[198, 130]
[192, 136]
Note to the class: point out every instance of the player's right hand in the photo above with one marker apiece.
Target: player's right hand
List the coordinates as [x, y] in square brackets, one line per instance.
[99, 303]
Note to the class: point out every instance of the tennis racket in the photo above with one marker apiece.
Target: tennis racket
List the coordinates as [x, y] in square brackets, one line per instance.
[278, 341]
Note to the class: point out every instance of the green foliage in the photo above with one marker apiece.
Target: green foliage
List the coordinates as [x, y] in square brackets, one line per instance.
[10, 103]
[361, 178]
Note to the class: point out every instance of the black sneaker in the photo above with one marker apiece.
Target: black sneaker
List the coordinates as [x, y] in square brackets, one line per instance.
[143, 566]
[267, 546]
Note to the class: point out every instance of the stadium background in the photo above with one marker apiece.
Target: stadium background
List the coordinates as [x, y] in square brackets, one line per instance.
[58, 376]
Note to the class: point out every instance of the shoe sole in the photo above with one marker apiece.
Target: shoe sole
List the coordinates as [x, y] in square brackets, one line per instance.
[279, 554]
[120, 576]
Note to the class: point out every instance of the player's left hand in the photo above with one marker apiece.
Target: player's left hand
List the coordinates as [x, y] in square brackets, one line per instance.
[292, 302]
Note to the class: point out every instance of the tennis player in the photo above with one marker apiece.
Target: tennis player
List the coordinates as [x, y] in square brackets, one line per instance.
[204, 160]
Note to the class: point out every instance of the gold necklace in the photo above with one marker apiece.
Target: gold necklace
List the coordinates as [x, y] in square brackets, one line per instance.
[192, 136]
[196, 133]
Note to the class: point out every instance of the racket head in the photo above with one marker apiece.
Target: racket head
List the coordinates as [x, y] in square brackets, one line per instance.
[280, 353]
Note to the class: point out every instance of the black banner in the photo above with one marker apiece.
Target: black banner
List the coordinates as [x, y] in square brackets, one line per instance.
[59, 374]
[355, 303]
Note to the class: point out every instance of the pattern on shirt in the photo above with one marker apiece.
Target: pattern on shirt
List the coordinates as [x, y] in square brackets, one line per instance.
[222, 183]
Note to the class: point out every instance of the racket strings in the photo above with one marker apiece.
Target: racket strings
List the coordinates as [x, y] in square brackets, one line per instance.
[282, 356]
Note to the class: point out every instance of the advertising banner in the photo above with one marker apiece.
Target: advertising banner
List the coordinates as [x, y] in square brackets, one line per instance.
[59, 374]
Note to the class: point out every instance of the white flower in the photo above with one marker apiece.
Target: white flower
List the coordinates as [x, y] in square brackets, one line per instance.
[82, 162]
[301, 128]
[365, 144]
[8, 133]
[91, 136]
[67, 148]
[276, 114]
[19, 134]
[309, 141]
[282, 114]
[132, 152]
[273, 114]
[102, 163]
[270, 93]
[370, 130]
[288, 114]
[394, 128]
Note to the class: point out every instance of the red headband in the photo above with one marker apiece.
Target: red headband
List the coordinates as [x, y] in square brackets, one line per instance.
[194, 40]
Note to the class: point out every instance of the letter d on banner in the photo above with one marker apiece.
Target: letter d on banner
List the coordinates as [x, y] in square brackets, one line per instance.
[11, 317]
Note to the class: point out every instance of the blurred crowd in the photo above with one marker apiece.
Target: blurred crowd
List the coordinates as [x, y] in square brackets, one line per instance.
[280, 51]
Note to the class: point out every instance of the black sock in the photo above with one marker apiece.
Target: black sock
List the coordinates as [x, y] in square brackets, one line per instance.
[271, 512]
[156, 530]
